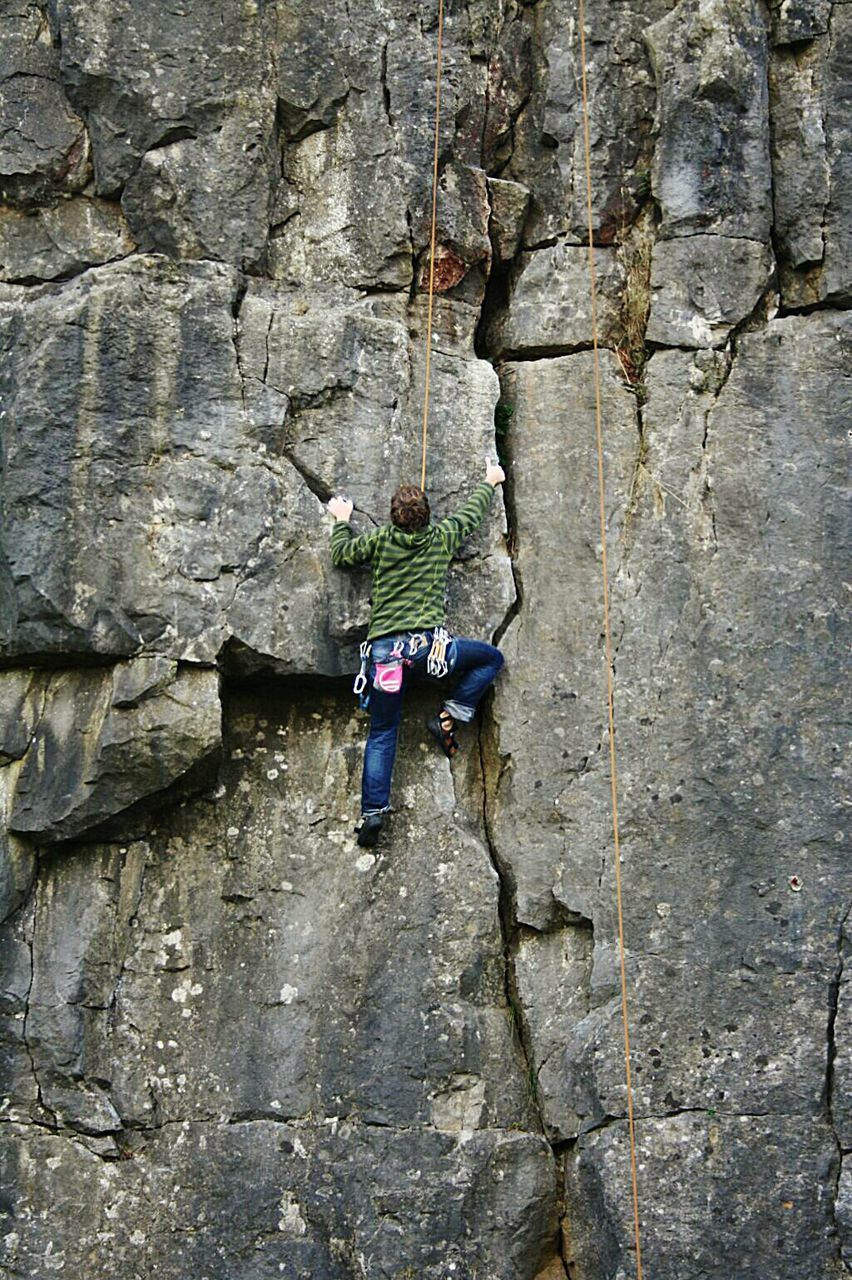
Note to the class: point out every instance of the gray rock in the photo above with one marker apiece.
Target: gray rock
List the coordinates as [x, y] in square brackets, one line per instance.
[344, 374]
[136, 973]
[549, 307]
[843, 1210]
[243, 431]
[20, 1101]
[549, 780]
[326, 1199]
[796, 20]
[771, 1218]
[554, 979]
[45, 144]
[721, 802]
[702, 286]
[237, 1044]
[711, 170]
[838, 128]
[145, 83]
[62, 240]
[264, 934]
[20, 705]
[139, 500]
[533, 129]
[103, 741]
[840, 1046]
[509, 204]
[811, 133]
[346, 229]
[172, 209]
[17, 857]
[800, 168]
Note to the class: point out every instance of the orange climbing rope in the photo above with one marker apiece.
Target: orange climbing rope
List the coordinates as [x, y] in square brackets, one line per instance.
[432, 251]
[608, 641]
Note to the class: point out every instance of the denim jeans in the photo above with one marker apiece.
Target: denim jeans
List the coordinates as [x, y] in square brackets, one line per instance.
[476, 665]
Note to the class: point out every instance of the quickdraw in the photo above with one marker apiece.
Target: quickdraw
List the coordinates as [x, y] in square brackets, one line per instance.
[361, 679]
[437, 664]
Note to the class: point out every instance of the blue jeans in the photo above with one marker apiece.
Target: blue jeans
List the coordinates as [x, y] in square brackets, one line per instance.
[476, 664]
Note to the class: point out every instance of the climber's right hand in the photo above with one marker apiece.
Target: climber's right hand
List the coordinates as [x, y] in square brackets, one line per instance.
[340, 508]
[494, 474]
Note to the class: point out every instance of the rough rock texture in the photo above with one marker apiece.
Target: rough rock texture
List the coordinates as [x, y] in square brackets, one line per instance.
[234, 1043]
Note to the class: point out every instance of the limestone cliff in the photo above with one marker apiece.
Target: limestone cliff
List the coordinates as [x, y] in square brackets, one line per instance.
[235, 1045]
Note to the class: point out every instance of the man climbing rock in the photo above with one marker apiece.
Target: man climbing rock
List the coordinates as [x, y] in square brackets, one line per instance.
[410, 558]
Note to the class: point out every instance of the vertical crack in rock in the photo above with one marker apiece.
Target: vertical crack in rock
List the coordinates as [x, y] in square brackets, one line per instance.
[509, 929]
[44, 1115]
[236, 306]
[828, 1103]
[383, 73]
[634, 251]
[132, 921]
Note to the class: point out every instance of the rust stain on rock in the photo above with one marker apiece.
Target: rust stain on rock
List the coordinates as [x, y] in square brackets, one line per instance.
[449, 270]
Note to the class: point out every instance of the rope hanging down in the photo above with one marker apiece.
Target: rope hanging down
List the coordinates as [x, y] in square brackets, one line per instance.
[608, 641]
[432, 250]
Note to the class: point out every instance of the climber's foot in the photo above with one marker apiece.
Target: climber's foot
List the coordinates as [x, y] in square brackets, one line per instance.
[368, 831]
[442, 728]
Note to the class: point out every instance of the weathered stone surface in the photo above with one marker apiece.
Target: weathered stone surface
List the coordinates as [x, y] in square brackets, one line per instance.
[145, 82]
[357, 1034]
[552, 650]
[844, 1211]
[236, 1044]
[169, 204]
[549, 307]
[45, 145]
[326, 1200]
[711, 167]
[554, 979]
[138, 499]
[17, 857]
[757, 1216]
[344, 375]
[259, 927]
[840, 1046]
[702, 286]
[533, 129]
[800, 169]
[812, 127]
[105, 740]
[61, 240]
[727, 786]
[509, 204]
[797, 20]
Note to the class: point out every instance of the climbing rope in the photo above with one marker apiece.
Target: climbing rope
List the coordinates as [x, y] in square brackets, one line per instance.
[608, 641]
[432, 251]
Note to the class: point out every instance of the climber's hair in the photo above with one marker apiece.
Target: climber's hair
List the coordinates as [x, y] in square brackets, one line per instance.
[410, 508]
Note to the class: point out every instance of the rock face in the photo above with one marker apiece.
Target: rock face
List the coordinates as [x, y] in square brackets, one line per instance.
[234, 1043]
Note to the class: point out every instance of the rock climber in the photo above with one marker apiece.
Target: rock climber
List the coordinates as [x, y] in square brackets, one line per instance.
[410, 558]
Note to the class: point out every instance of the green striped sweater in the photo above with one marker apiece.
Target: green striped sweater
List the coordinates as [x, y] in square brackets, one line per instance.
[409, 569]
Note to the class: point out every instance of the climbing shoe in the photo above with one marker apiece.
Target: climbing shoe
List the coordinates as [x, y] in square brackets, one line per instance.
[441, 728]
[368, 831]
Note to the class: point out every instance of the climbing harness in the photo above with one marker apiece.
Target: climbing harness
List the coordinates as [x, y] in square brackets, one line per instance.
[388, 673]
[608, 640]
[432, 248]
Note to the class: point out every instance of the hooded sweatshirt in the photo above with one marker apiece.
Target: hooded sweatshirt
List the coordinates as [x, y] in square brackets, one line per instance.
[409, 569]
